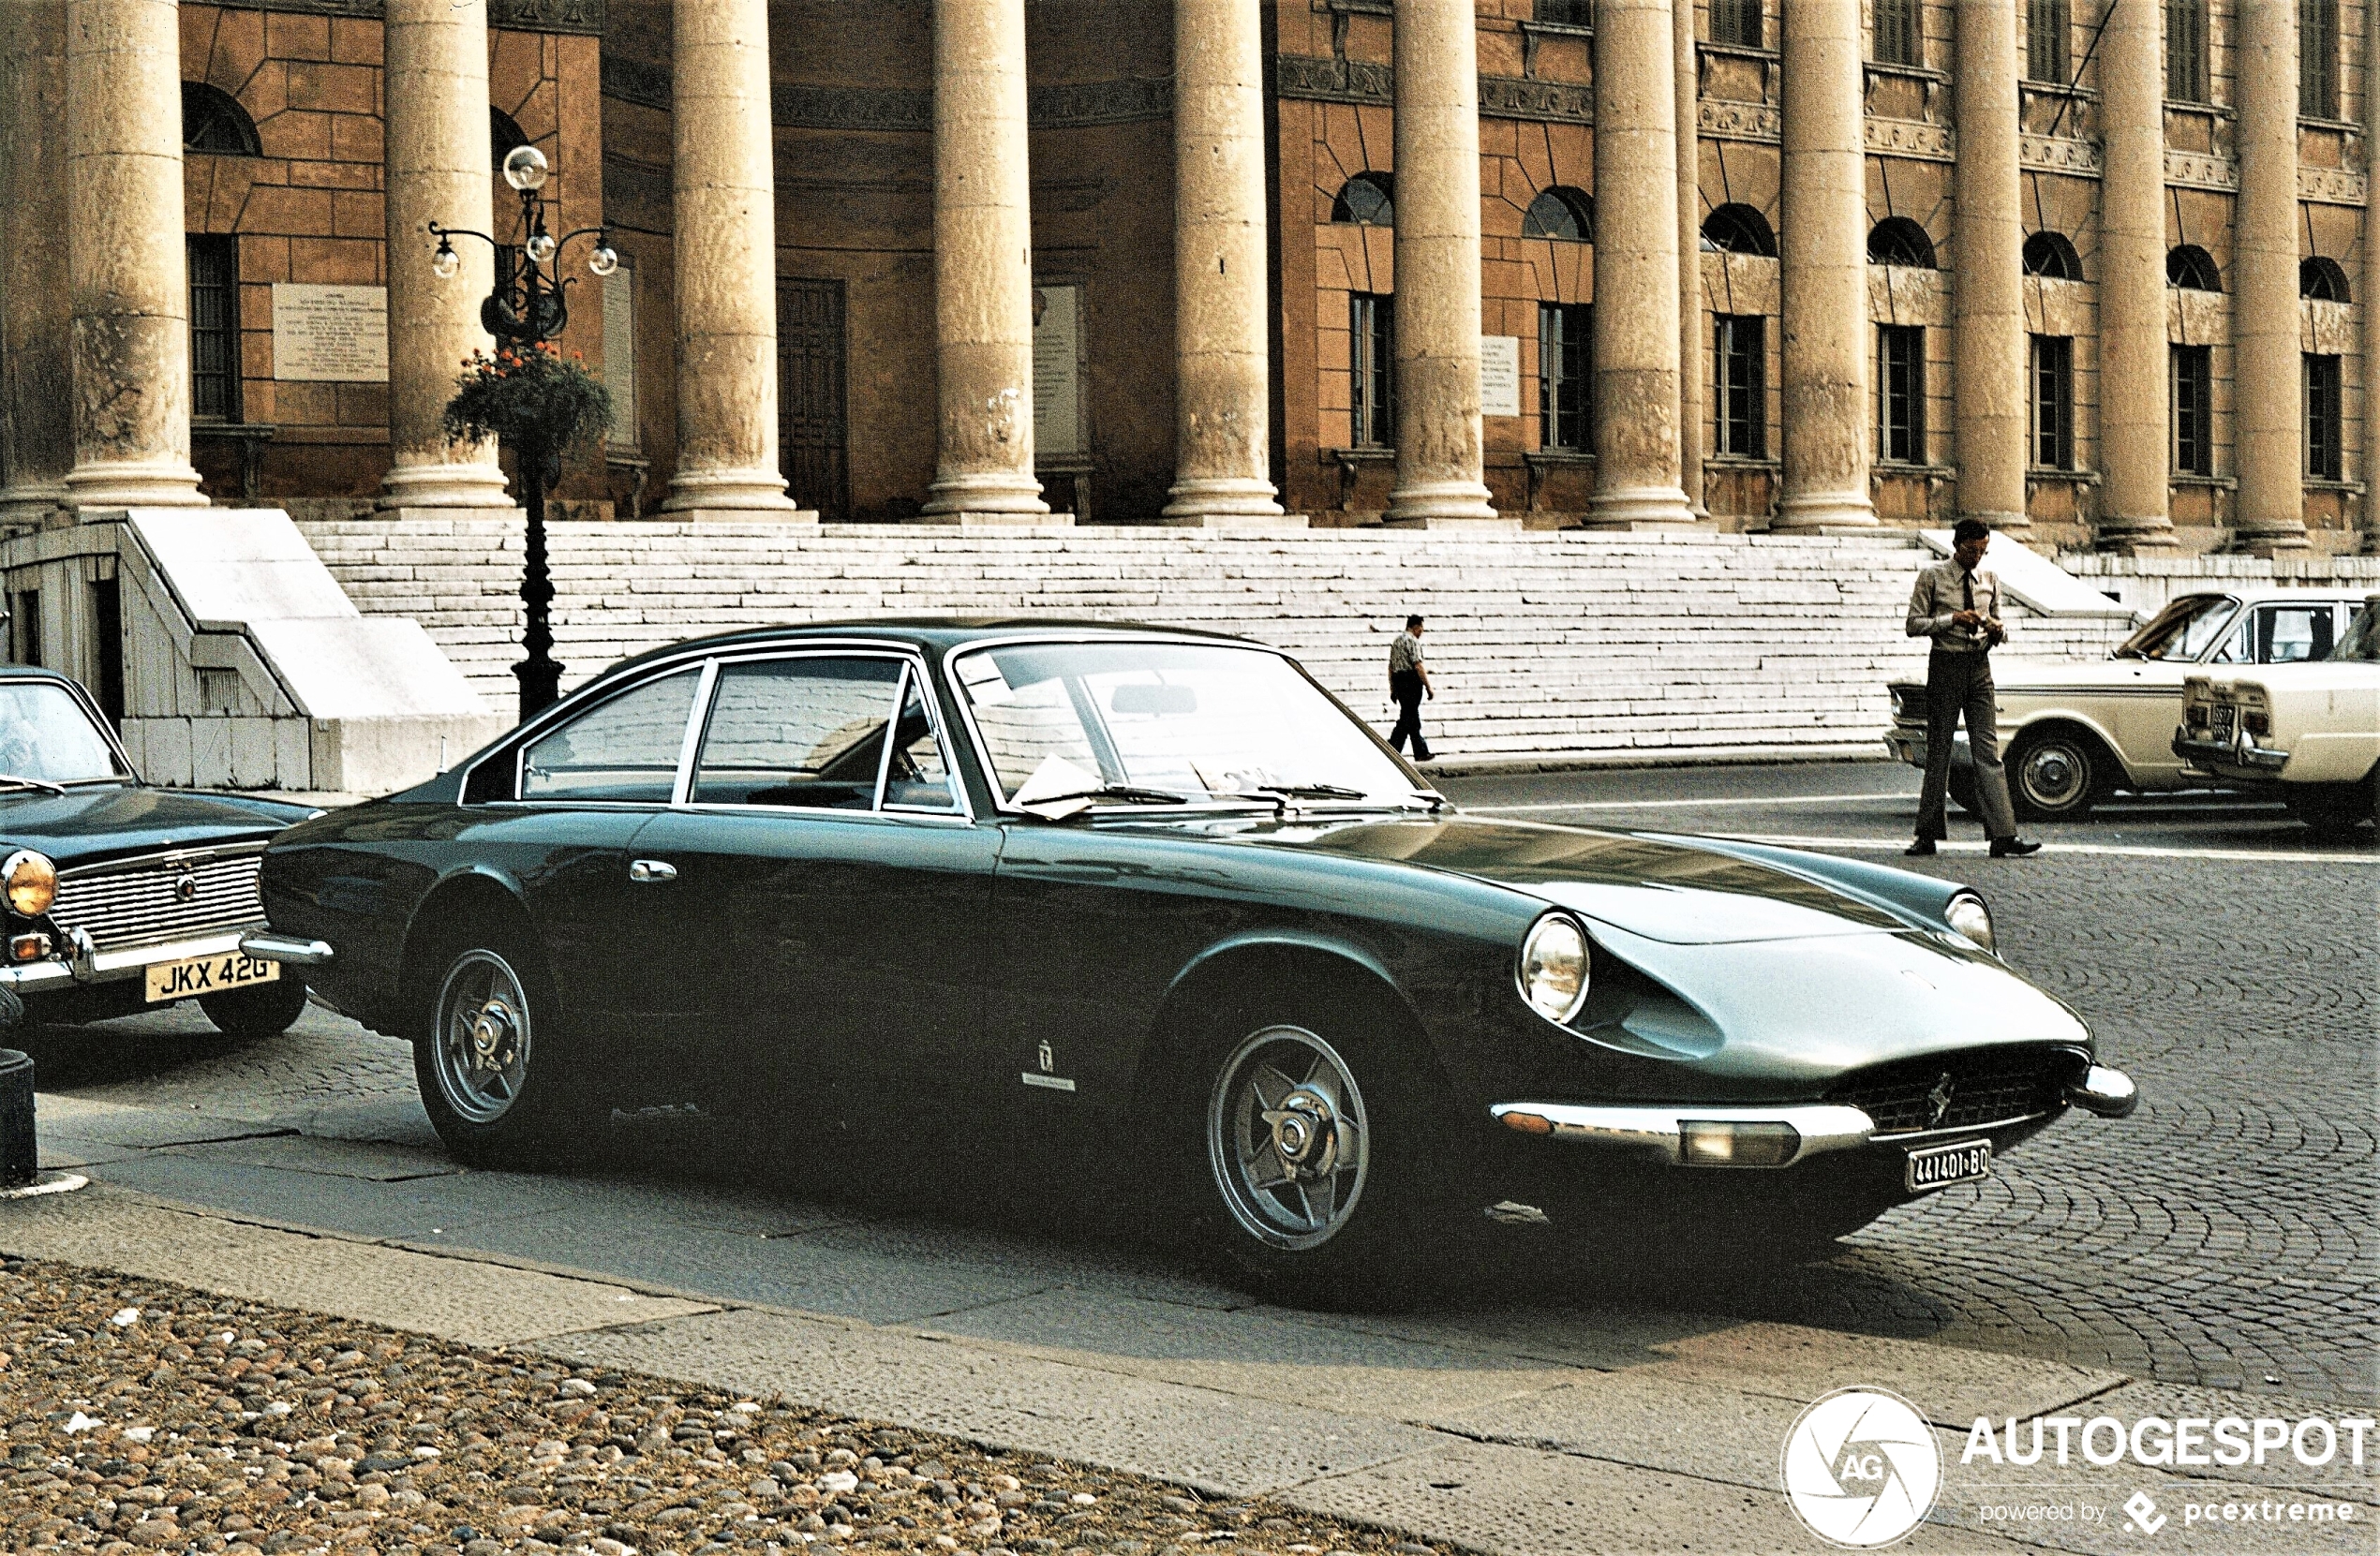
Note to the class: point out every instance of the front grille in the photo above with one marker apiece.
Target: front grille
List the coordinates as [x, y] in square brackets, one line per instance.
[142, 901]
[1984, 1086]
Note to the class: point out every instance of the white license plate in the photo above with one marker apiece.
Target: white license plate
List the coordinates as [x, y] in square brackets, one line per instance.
[1939, 1166]
[208, 975]
[2223, 714]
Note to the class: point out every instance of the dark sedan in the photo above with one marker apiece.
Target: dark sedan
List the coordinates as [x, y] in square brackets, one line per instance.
[1158, 893]
[121, 897]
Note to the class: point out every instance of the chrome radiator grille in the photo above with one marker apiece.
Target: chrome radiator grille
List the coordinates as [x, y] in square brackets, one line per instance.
[145, 901]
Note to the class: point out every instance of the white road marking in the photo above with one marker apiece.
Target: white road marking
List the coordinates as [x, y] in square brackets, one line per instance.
[1666, 805]
[1889, 845]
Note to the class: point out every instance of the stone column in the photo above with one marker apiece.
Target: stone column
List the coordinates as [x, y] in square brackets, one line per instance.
[2370, 291]
[2135, 415]
[1439, 460]
[724, 184]
[1988, 302]
[1223, 460]
[36, 433]
[1636, 272]
[983, 264]
[1693, 339]
[1823, 272]
[127, 271]
[2268, 391]
[438, 160]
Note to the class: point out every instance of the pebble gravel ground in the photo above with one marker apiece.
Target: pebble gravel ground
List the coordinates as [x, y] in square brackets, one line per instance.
[145, 1417]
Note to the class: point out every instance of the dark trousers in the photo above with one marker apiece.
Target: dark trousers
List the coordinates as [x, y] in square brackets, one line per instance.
[1405, 687]
[1960, 684]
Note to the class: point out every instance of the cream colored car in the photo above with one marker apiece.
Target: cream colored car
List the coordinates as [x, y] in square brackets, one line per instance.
[2074, 732]
[2309, 732]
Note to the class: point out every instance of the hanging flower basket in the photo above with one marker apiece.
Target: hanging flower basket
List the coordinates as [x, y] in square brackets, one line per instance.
[533, 398]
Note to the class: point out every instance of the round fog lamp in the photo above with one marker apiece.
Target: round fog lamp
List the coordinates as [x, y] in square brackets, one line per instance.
[31, 882]
[1968, 916]
[1554, 966]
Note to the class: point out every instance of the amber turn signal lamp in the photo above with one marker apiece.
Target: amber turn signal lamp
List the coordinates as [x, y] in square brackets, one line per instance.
[28, 948]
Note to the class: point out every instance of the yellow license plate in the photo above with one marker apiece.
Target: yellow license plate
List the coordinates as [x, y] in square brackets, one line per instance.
[208, 975]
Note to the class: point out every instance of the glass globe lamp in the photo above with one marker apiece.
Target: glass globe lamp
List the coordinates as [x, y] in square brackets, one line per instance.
[605, 261]
[525, 167]
[540, 248]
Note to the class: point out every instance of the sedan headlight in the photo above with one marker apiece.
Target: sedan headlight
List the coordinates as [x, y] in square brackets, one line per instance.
[1967, 915]
[1552, 973]
[31, 881]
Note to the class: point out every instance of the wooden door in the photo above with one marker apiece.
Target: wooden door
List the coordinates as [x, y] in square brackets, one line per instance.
[812, 415]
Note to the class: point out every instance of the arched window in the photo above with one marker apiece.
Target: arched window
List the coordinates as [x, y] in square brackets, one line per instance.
[1560, 212]
[2323, 279]
[2051, 256]
[503, 134]
[1898, 241]
[2192, 268]
[1367, 198]
[1739, 230]
[212, 121]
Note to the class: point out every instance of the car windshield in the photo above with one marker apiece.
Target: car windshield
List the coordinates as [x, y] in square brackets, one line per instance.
[48, 738]
[2182, 630]
[2362, 641]
[1166, 722]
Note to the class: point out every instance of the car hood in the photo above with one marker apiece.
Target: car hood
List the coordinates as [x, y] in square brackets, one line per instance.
[88, 825]
[1655, 888]
[2032, 677]
[2315, 675]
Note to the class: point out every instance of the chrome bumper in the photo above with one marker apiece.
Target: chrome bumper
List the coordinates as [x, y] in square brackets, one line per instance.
[285, 948]
[2108, 1092]
[2240, 751]
[86, 964]
[1658, 1132]
[1909, 746]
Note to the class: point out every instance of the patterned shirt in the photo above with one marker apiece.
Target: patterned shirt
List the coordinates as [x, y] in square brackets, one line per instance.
[1944, 589]
[1404, 654]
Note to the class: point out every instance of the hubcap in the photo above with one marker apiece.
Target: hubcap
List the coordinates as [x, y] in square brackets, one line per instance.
[1286, 1136]
[483, 1037]
[2053, 776]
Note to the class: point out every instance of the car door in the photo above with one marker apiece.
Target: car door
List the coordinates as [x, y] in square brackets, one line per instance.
[561, 825]
[826, 886]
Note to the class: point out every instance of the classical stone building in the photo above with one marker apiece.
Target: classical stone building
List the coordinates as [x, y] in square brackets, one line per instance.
[2098, 271]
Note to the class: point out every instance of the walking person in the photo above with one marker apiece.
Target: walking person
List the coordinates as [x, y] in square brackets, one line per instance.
[1958, 605]
[1408, 683]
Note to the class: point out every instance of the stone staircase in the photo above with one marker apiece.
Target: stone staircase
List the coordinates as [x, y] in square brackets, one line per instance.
[1543, 643]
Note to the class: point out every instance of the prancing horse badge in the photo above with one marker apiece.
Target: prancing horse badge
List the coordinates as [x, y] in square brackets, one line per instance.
[1047, 1081]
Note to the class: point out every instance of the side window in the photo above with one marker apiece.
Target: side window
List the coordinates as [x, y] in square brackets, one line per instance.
[803, 732]
[2287, 634]
[917, 779]
[623, 750]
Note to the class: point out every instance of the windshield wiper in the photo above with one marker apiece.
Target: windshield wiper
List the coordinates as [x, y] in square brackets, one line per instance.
[1436, 801]
[23, 782]
[1129, 794]
[1313, 790]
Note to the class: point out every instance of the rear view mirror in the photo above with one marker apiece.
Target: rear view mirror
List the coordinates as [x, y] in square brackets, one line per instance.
[1145, 698]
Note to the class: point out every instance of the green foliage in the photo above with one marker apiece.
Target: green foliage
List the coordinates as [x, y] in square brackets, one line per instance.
[531, 399]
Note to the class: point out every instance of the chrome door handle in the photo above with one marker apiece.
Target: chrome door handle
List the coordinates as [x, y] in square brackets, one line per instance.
[651, 870]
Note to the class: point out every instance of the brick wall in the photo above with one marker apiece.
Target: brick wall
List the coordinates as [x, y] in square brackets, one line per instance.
[1543, 643]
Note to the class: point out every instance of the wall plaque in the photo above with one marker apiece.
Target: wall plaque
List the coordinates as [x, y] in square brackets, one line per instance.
[1057, 370]
[1499, 375]
[330, 335]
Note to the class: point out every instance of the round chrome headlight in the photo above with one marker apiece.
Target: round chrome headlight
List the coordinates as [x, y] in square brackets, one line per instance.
[31, 882]
[1968, 916]
[1553, 972]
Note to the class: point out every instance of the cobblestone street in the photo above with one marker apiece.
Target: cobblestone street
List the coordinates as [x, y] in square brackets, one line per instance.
[2223, 1236]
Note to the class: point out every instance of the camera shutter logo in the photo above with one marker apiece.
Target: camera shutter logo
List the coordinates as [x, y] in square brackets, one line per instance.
[1860, 1468]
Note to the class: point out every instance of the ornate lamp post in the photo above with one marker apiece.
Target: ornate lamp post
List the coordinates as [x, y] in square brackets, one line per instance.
[528, 306]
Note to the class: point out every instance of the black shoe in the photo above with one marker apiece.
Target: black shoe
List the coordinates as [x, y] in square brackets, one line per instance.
[2013, 848]
[1921, 849]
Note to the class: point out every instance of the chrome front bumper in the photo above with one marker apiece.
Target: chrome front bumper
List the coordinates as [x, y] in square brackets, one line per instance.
[1909, 746]
[86, 964]
[1658, 1132]
[2240, 751]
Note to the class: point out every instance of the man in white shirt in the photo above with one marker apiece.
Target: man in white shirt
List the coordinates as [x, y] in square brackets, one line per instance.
[1408, 683]
[1958, 605]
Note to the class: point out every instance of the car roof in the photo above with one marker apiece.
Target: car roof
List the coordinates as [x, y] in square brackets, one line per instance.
[12, 672]
[932, 633]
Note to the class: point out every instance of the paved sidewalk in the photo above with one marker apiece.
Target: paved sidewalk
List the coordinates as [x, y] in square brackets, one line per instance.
[1621, 1435]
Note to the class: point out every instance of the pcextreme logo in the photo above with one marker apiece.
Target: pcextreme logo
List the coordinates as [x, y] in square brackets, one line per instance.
[1860, 1468]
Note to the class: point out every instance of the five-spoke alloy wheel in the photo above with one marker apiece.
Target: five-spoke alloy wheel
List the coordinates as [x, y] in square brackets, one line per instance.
[1288, 1138]
[500, 1078]
[481, 1037]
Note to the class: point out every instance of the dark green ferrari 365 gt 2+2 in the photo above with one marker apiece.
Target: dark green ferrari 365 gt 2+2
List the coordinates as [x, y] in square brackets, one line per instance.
[1158, 895]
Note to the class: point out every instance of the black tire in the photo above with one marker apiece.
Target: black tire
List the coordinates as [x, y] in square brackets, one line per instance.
[1372, 1251]
[260, 1010]
[2055, 774]
[2331, 811]
[499, 1076]
[1963, 791]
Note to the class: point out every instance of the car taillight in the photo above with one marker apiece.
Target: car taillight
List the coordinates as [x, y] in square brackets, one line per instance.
[2257, 723]
[2196, 715]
